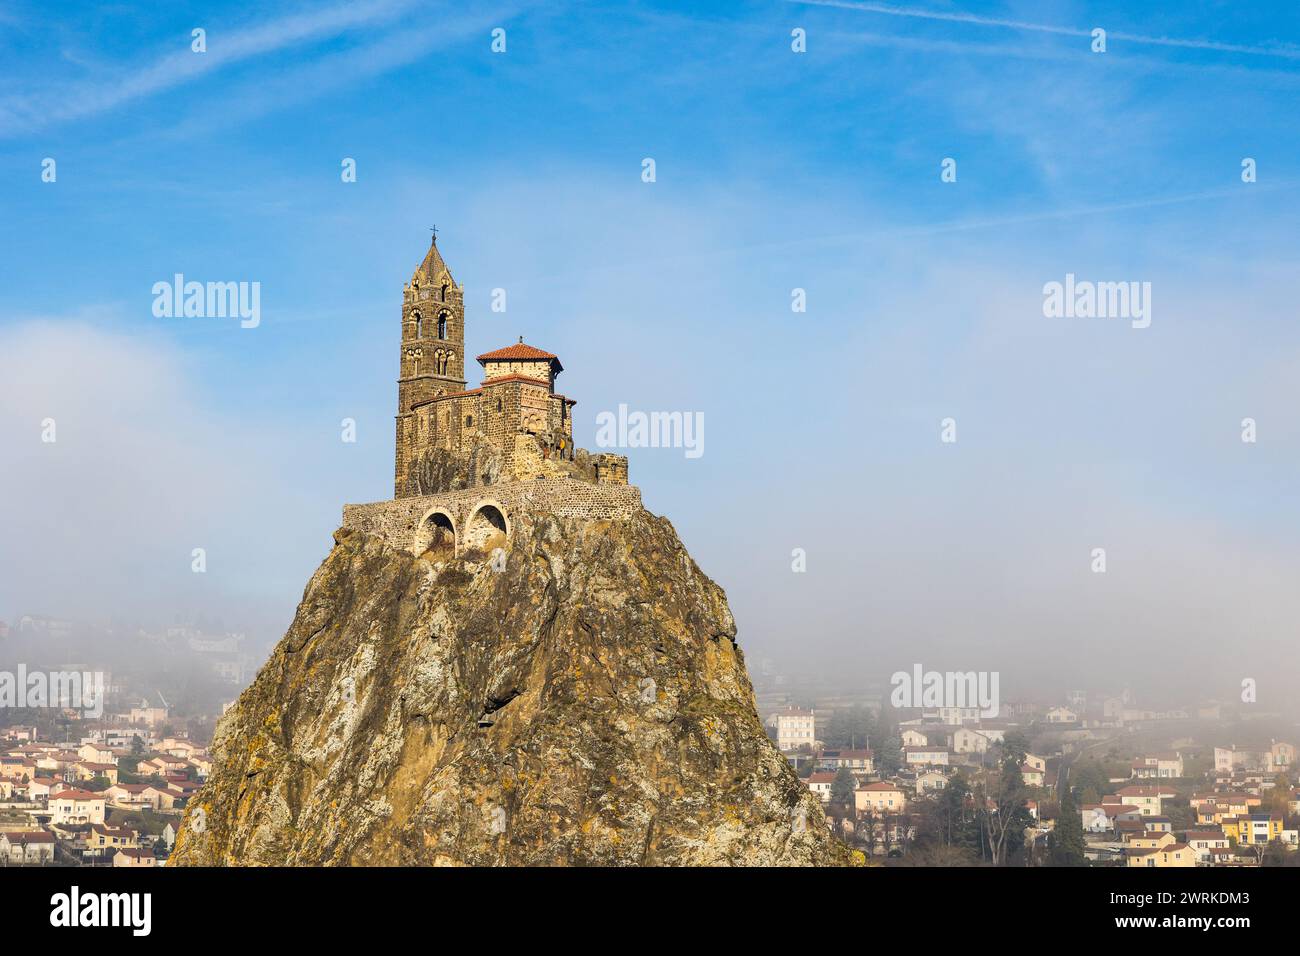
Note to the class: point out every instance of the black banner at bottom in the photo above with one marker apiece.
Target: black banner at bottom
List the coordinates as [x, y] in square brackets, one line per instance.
[333, 905]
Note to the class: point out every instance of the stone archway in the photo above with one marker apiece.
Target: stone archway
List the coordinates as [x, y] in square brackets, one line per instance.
[436, 533]
[487, 527]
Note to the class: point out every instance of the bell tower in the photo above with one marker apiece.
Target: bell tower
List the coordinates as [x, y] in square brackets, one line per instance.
[432, 360]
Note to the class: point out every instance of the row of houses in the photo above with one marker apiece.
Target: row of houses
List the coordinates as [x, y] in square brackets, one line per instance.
[1133, 824]
[72, 794]
[1278, 757]
[1155, 845]
[102, 844]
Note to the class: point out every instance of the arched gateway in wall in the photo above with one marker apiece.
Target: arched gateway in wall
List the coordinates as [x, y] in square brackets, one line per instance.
[436, 532]
[481, 528]
[487, 520]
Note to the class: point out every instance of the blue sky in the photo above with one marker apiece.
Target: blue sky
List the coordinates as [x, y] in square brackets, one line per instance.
[775, 170]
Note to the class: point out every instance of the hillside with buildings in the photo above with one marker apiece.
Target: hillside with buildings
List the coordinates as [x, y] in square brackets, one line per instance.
[1095, 780]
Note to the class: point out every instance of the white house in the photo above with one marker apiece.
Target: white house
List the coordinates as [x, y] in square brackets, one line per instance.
[795, 728]
[1032, 776]
[1157, 766]
[27, 846]
[965, 740]
[929, 781]
[76, 806]
[926, 756]
[913, 738]
[819, 782]
[1101, 817]
[1148, 800]
[859, 762]
[1062, 715]
[1206, 841]
[1095, 818]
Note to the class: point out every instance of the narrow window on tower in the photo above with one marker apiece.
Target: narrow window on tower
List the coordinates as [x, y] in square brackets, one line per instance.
[442, 325]
[419, 323]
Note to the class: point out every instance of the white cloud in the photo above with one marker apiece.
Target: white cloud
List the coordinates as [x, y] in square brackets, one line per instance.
[113, 88]
[144, 469]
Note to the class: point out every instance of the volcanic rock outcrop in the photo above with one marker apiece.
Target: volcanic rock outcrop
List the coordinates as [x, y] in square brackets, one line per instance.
[573, 696]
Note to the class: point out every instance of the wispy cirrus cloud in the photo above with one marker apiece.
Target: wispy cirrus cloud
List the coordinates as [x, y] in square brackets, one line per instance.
[391, 50]
[1286, 51]
[62, 102]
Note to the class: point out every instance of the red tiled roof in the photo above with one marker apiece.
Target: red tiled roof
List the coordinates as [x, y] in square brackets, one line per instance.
[518, 351]
[81, 795]
[110, 830]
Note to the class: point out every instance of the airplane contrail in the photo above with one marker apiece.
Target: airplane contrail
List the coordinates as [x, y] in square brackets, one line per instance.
[1285, 52]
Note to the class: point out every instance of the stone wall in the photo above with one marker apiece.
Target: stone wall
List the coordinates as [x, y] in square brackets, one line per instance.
[540, 369]
[610, 469]
[397, 521]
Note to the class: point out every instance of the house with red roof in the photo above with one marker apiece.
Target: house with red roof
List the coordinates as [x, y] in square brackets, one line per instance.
[1148, 799]
[76, 806]
[879, 798]
[18, 847]
[819, 782]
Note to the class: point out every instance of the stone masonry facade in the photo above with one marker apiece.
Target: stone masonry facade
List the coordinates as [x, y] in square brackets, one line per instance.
[406, 521]
[515, 411]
